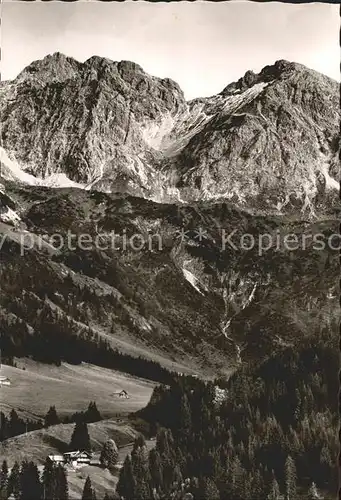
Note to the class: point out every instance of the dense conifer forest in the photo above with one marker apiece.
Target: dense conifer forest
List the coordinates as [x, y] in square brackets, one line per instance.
[273, 433]
[24, 482]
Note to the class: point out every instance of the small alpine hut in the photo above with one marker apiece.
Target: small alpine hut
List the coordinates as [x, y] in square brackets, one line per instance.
[4, 380]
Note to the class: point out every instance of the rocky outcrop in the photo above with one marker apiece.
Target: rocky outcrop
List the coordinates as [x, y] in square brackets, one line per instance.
[278, 149]
[85, 120]
[268, 142]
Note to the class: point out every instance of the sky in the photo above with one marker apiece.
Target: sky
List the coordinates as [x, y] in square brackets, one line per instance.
[203, 46]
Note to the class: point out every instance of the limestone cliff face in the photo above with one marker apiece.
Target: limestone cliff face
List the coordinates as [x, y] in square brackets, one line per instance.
[85, 120]
[267, 142]
[278, 149]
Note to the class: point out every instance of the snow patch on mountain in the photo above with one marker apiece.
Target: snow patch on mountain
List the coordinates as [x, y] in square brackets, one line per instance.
[9, 216]
[330, 182]
[154, 132]
[59, 180]
[12, 171]
[192, 280]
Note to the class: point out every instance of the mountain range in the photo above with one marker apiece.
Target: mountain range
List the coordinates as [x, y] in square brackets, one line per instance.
[102, 146]
[268, 142]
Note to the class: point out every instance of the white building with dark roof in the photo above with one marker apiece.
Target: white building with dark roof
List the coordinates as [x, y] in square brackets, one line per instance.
[77, 458]
[57, 459]
[4, 380]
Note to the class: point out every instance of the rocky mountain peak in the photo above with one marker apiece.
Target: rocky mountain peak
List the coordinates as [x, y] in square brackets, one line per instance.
[53, 67]
[267, 74]
[128, 67]
[105, 66]
[281, 70]
[280, 67]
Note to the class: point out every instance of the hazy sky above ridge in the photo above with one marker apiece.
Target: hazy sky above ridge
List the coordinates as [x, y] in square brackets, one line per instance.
[202, 45]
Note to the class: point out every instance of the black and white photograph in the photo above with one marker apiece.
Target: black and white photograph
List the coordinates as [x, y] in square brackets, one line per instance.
[169, 250]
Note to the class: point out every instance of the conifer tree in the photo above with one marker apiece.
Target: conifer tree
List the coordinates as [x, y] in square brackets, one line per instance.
[290, 479]
[257, 486]
[126, 485]
[14, 485]
[209, 489]
[155, 469]
[80, 439]
[4, 481]
[313, 493]
[62, 488]
[88, 491]
[51, 417]
[184, 416]
[139, 458]
[237, 478]
[4, 427]
[164, 445]
[4, 474]
[49, 486]
[16, 426]
[30, 485]
[274, 493]
[92, 414]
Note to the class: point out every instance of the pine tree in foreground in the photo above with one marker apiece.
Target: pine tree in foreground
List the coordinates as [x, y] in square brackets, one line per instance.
[14, 481]
[126, 485]
[155, 469]
[140, 464]
[30, 485]
[88, 491]
[62, 488]
[4, 481]
[48, 480]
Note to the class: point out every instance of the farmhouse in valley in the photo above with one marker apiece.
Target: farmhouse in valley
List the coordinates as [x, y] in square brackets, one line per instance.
[57, 459]
[73, 458]
[122, 394]
[78, 458]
